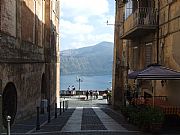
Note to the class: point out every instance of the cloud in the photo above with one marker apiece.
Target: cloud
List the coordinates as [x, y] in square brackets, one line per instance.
[70, 28]
[81, 19]
[83, 23]
[87, 7]
[83, 40]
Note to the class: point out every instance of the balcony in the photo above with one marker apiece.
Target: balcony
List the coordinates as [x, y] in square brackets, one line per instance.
[141, 22]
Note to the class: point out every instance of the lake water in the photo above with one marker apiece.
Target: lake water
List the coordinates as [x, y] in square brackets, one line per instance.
[88, 82]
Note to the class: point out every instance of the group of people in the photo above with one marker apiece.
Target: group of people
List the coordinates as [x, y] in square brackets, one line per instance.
[92, 93]
[70, 89]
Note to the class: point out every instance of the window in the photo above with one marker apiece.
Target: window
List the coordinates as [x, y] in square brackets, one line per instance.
[128, 9]
[135, 57]
[148, 54]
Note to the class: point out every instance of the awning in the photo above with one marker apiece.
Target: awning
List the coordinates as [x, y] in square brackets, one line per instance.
[155, 72]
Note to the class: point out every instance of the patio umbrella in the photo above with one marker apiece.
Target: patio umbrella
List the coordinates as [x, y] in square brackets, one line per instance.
[156, 72]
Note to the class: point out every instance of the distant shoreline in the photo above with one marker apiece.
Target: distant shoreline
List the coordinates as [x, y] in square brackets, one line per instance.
[89, 82]
[84, 74]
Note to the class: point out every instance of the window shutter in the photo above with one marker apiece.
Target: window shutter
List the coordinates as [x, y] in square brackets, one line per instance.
[135, 57]
[148, 54]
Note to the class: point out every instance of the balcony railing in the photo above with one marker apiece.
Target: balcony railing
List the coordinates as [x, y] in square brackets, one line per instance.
[142, 19]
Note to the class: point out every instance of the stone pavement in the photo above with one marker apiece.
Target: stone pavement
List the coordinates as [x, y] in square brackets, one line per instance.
[88, 117]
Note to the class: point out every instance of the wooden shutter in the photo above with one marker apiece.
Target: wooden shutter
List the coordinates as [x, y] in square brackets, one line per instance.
[135, 57]
[148, 54]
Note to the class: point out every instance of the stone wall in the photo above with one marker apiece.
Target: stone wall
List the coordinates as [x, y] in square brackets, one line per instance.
[27, 80]
[27, 52]
[8, 17]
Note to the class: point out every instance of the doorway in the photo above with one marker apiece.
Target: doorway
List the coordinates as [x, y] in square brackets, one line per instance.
[9, 103]
[44, 100]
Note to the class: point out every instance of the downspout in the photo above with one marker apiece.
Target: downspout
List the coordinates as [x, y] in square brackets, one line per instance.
[157, 38]
[1, 117]
[35, 25]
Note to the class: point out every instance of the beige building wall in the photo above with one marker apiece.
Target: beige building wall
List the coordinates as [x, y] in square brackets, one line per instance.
[168, 48]
[169, 45]
[117, 81]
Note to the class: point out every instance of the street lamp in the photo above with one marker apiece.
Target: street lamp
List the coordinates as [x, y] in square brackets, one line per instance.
[78, 79]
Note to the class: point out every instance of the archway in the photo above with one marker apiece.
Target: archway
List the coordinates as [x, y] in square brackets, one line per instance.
[9, 103]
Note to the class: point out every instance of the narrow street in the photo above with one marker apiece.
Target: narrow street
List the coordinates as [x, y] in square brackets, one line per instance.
[88, 117]
[88, 121]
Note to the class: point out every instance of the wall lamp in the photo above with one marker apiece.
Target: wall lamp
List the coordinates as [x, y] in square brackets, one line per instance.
[119, 24]
[163, 82]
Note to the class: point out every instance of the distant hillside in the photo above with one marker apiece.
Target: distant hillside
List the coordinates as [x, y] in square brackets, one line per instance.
[93, 60]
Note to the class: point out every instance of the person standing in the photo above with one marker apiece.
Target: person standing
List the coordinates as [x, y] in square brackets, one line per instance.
[69, 90]
[96, 93]
[91, 94]
[73, 88]
[87, 94]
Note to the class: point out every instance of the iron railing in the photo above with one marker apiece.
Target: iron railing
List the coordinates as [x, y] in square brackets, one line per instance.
[143, 16]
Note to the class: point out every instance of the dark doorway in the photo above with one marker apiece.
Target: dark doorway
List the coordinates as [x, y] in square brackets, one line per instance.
[44, 100]
[9, 103]
[43, 87]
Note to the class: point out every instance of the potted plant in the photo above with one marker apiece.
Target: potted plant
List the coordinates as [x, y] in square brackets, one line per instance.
[157, 119]
[147, 118]
[151, 119]
[144, 120]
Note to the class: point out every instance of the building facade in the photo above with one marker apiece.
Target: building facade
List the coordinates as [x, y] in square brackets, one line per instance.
[29, 56]
[146, 32]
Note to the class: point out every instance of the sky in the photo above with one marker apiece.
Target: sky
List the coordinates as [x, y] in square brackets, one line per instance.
[83, 23]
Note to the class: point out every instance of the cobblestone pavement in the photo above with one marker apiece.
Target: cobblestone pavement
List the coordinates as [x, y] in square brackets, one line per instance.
[87, 117]
[90, 121]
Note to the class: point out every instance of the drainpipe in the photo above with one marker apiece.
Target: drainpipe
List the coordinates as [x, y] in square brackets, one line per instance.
[1, 124]
[1, 117]
[157, 38]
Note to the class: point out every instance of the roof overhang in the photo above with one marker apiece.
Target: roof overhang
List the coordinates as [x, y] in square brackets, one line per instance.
[155, 72]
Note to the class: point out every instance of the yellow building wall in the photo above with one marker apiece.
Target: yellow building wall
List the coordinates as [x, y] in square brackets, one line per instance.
[169, 48]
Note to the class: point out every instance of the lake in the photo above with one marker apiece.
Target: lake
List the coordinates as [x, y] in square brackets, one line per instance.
[88, 82]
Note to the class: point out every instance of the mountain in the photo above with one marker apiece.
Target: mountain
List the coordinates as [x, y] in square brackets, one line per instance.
[92, 60]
